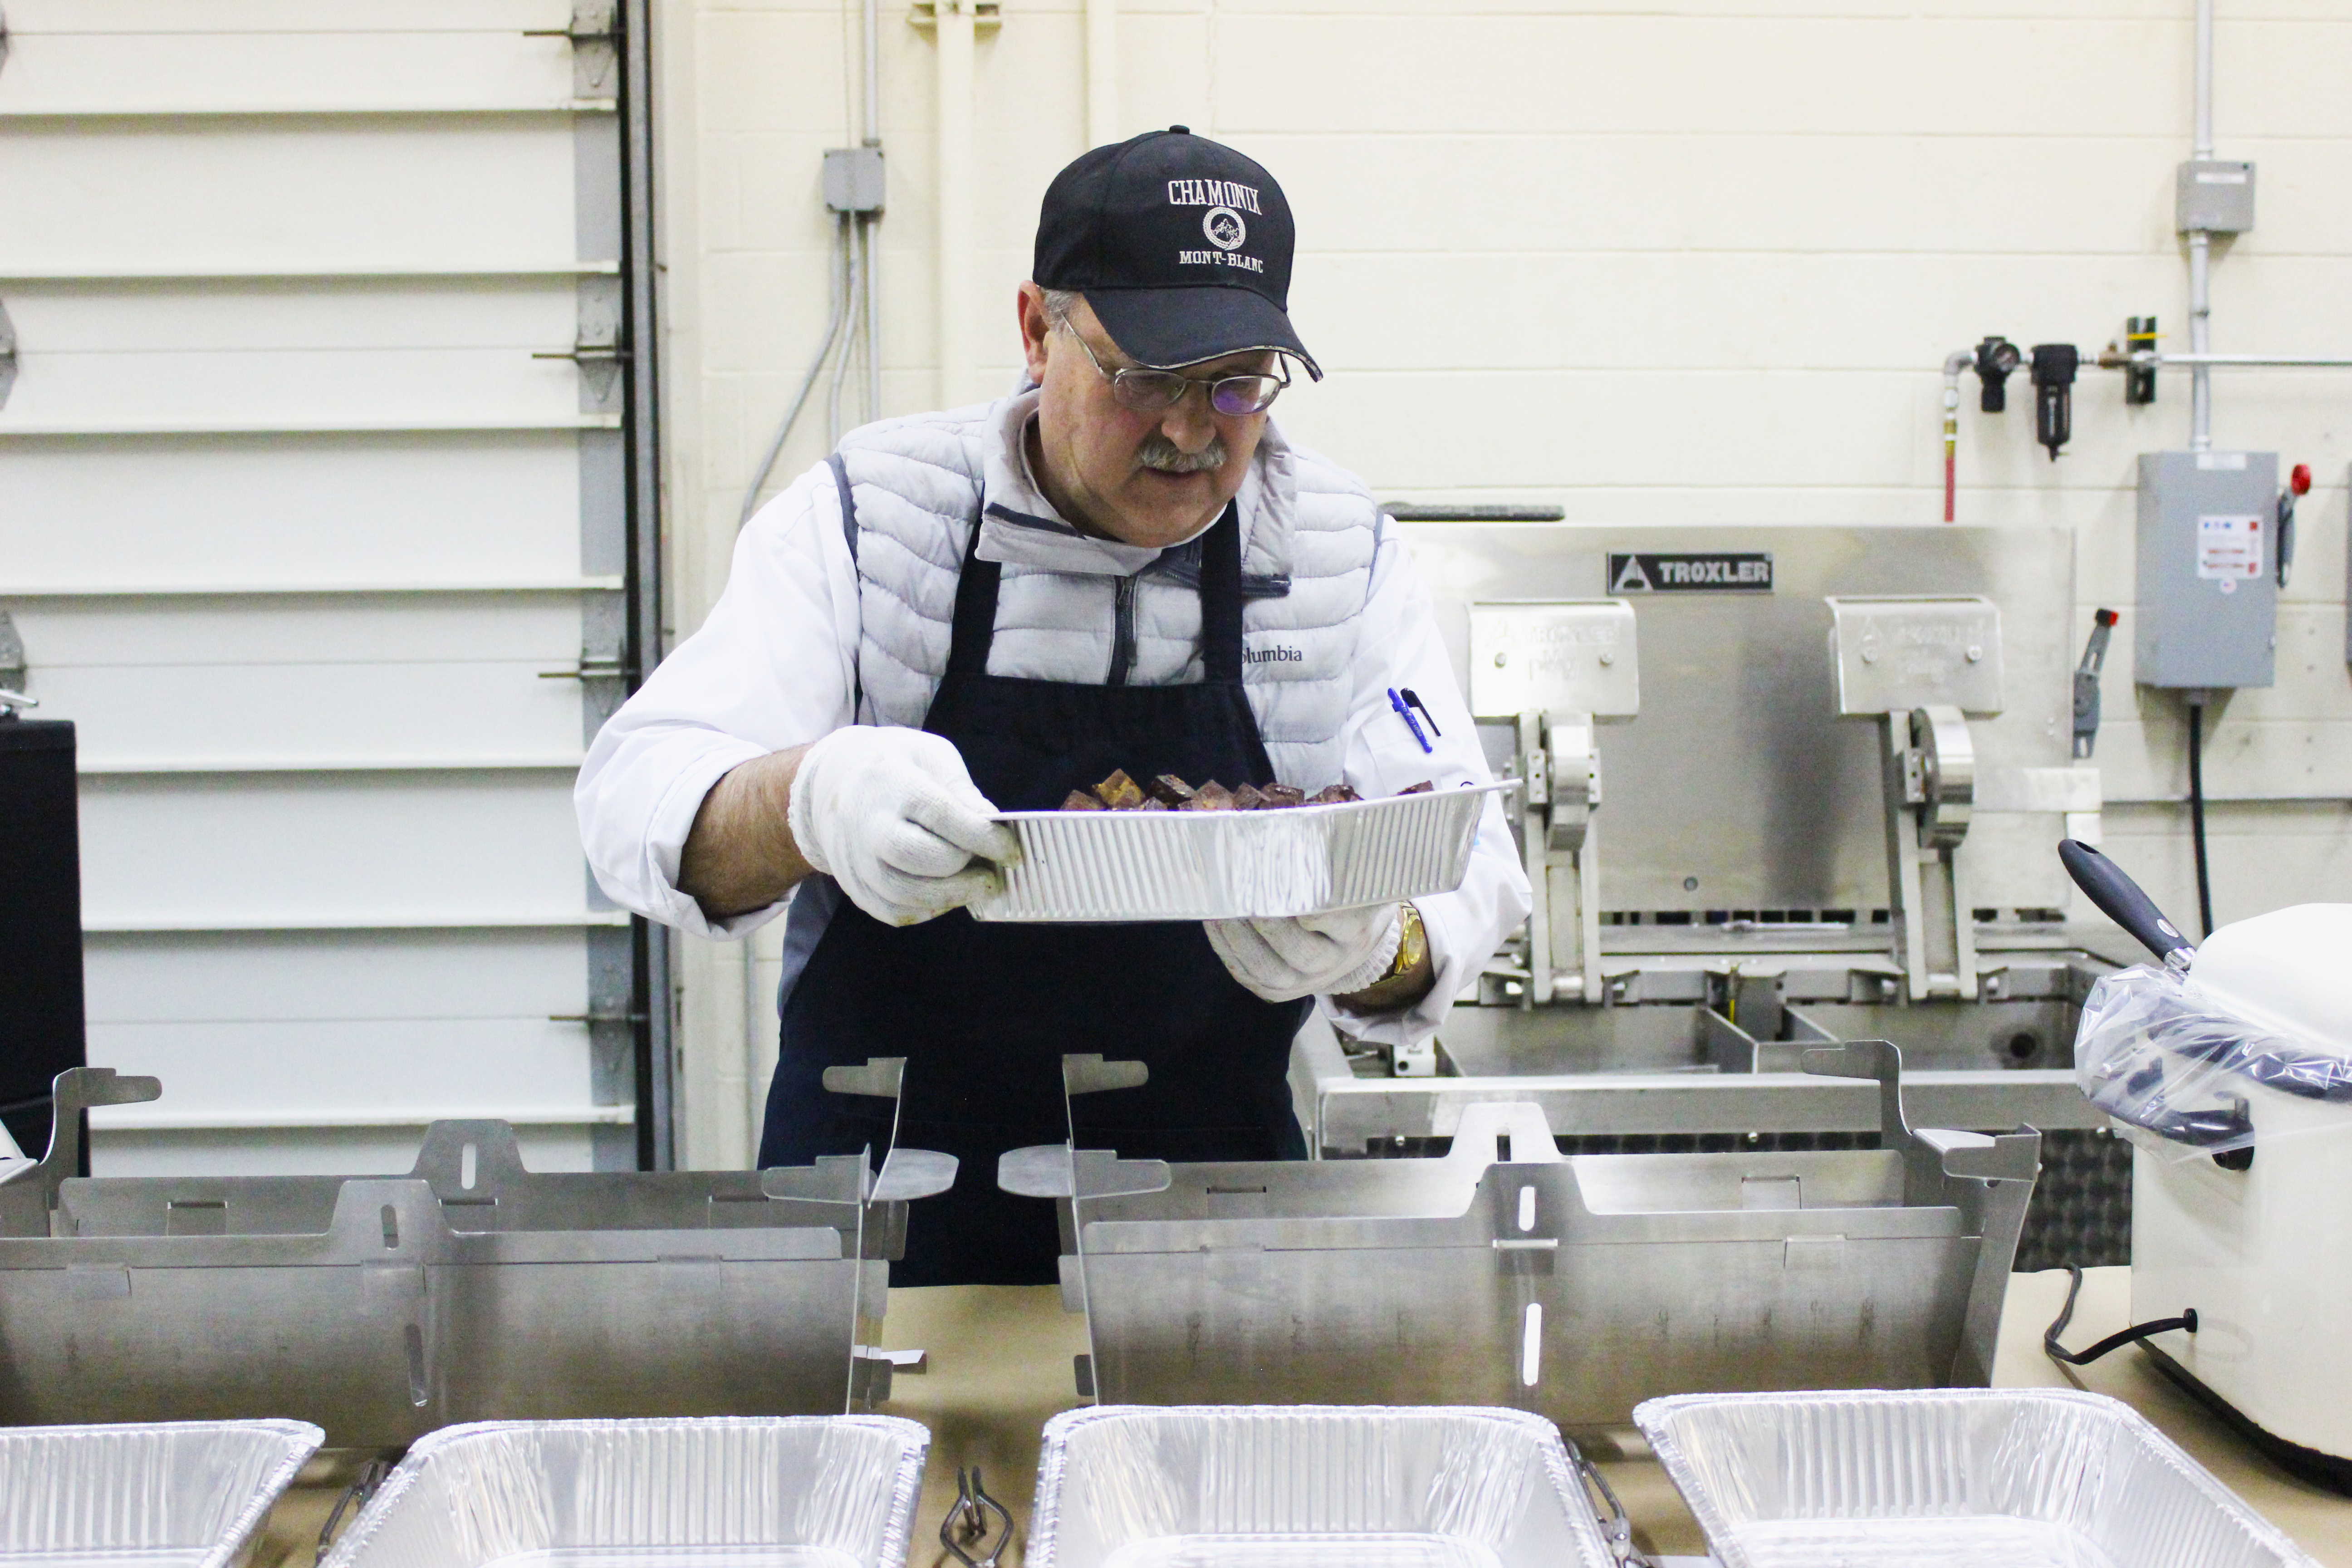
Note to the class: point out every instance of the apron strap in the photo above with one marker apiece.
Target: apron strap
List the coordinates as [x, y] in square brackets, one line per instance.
[1220, 604]
[849, 528]
[1221, 599]
[975, 607]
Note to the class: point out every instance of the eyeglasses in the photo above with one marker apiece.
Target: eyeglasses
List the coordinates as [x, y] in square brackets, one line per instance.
[1149, 390]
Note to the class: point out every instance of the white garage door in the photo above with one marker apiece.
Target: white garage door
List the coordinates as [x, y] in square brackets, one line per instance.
[315, 502]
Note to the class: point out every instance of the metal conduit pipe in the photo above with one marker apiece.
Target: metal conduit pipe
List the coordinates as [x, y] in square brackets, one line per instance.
[855, 314]
[761, 1025]
[825, 349]
[2201, 249]
[954, 35]
[2112, 361]
[871, 221]
[1956, 361]
[1102, 72]
[2201, 320]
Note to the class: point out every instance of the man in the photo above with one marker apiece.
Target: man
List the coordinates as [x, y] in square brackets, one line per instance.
[1121, 566]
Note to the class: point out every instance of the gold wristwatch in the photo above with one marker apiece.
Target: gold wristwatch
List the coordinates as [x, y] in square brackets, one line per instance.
[1413, 946]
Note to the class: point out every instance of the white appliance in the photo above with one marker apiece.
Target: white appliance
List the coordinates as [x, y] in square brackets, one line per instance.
[2242, 1189]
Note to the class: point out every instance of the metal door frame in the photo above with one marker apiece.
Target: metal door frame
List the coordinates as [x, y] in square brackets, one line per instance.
[654, 1003]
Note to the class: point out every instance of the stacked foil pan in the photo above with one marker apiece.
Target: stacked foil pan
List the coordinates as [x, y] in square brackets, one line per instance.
[1308, 1487]
[167, 1495]
[792, 1493]
[1951, 1479]
[1114, 865]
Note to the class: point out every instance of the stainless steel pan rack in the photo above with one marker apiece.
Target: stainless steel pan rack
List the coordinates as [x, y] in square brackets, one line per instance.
[1503, 1273]
[472, 1289]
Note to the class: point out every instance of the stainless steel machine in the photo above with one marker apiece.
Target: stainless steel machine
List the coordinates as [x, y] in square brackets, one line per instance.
[1813, 795]
[382, 1307]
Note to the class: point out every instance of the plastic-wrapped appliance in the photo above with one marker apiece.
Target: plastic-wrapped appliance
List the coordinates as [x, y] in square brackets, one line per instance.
[2231, 1071]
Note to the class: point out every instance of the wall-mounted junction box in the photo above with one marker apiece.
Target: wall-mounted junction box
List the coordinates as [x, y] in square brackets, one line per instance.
[2215, 195]
[2207, 597]
[854, 179]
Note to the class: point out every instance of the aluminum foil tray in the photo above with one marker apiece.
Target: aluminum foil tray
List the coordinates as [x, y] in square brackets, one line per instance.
[1951, 1479]
[1111, 866]
[1306, 1485]
[809, 1491]
[178, 1494]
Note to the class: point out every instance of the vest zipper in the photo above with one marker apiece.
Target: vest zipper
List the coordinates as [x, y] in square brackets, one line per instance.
[1122, 636]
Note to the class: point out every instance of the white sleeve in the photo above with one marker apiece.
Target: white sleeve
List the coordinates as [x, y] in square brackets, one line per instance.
[1399, 646]
[772, 667]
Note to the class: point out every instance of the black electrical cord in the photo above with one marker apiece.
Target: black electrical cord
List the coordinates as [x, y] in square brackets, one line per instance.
[2197, 812]
[35, 1103]
[2114, 1341]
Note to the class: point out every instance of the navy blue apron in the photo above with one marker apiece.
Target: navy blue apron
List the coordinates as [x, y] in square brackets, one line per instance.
[984, 1013]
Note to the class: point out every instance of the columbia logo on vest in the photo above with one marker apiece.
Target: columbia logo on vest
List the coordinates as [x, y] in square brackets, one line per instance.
[1273, 656]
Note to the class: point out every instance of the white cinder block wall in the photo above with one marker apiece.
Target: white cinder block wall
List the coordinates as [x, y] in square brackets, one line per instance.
[1693, 262]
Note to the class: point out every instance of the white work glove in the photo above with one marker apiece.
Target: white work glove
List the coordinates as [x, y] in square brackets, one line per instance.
[891, 815]
[1308, 955]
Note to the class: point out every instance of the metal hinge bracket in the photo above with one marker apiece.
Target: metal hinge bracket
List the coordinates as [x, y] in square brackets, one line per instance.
[601, 666]
[595, 35]
[7, 327]
[13, 666]
[598, 350]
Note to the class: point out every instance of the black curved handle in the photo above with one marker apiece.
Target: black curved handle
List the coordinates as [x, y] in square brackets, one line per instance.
[2228, 1125]
[2121, 899]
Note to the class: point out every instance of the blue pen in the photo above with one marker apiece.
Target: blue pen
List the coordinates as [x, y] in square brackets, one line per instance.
[1410, 723]
[1413, 700]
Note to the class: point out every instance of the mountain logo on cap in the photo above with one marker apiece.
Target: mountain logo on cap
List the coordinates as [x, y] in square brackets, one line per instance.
[1225, 228]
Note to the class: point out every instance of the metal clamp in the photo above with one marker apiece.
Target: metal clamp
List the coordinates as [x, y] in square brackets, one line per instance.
[967, 1522]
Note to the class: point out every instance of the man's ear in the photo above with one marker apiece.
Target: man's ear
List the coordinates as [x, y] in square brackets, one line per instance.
[1036, 327]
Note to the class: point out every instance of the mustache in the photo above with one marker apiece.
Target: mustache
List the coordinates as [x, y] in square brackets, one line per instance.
[1159, 453]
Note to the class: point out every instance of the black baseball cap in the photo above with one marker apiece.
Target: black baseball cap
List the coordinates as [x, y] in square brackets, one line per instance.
[1181, 244]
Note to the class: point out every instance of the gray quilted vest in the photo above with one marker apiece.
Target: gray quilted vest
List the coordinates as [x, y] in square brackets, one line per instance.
[1090, 612]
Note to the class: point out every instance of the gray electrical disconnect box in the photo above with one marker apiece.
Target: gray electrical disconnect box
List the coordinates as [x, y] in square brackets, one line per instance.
[2208, 598]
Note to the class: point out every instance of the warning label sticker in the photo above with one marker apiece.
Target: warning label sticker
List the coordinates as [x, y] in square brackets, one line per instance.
[1728, 572]
[2229, 547]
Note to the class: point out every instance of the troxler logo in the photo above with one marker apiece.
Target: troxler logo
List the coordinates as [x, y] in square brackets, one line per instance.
[1275, 654]
[1706, 572]
[1225, 228]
